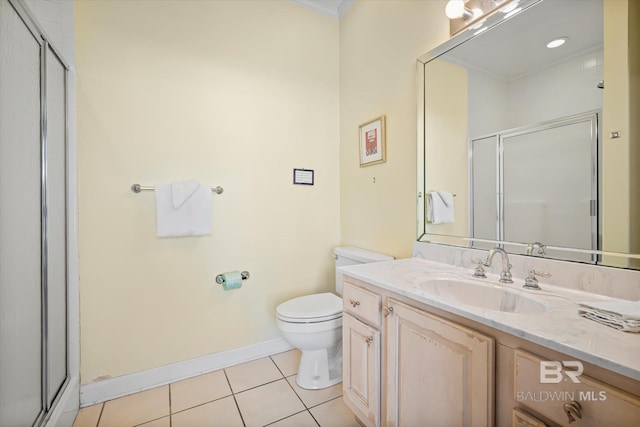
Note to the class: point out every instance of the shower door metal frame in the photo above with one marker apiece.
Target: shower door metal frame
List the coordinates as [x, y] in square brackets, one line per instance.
[45, 47]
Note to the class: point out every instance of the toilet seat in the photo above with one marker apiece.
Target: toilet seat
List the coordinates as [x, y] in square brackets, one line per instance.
[309, 319]
[310, 309]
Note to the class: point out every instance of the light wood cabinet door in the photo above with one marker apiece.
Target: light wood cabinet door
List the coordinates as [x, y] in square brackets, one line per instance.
[361, 369]
[437, 373]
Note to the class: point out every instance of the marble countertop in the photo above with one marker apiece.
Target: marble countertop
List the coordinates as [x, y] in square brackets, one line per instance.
[560, 328]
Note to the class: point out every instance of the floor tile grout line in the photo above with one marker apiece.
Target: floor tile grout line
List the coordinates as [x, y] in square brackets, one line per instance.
[326, 401]
[288, 416]
[257, 386]
[150, 421]
[296, 393]
[234, 398]
[201, 404]
[100, 416]
[304, 403]
[170, 418]
[319, 404]
[314, 418]
[278, 367]
[232, 393]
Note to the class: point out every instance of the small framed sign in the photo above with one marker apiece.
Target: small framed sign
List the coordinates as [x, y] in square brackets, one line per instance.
[303, 176]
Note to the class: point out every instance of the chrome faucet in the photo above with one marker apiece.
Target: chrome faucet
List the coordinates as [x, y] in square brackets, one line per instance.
[532, 246]
[505, 274]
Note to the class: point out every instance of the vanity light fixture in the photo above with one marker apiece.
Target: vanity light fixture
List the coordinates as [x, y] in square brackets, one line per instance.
[557, 42]
[470, 14]
[456, 9]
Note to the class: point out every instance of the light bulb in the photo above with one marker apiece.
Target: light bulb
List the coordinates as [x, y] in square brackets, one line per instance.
[455, 9]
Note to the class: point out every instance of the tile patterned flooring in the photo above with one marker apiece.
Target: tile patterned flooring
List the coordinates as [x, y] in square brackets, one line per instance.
[262, 392]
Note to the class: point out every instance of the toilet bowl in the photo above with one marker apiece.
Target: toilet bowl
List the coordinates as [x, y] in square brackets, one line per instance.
[313, 324]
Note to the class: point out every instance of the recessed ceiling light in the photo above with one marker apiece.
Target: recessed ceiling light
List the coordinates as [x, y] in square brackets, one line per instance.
[557, 42]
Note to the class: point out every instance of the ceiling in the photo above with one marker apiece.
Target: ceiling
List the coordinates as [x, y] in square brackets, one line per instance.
[333, 8]
[518, 46]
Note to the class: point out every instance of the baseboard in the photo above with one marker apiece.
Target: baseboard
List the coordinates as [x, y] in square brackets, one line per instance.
[113, 388]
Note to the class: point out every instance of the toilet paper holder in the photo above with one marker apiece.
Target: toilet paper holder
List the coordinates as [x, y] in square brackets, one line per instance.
[220, 277]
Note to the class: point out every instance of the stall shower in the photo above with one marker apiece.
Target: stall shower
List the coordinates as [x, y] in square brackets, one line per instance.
[34, 367]
[538, 183]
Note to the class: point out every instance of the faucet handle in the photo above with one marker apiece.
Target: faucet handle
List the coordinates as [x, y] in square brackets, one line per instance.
[531, 282]
[541, 248]
[478, 271]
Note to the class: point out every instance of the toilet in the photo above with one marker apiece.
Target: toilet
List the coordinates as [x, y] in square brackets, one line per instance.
[313, 324]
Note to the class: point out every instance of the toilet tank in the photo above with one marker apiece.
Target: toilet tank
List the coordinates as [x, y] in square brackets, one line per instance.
[348, 255]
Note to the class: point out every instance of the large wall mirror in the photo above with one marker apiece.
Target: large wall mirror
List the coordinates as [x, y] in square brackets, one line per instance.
[521, 143]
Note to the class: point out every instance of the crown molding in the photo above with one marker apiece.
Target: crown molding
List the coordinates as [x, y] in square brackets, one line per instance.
[333, 8]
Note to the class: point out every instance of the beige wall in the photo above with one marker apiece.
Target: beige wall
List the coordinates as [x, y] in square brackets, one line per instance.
[615, 152]
[447, 161]
[634, 130]
[227, 93]
[379, 44]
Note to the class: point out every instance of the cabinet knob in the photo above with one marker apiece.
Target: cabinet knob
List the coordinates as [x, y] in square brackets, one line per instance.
[354, 303]
[387, 311]
[369, 340]
[572, 409]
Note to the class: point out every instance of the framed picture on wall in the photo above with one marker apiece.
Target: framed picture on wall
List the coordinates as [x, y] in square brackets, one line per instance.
[372, 142]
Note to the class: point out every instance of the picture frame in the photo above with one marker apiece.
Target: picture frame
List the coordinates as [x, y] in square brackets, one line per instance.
[371, 138]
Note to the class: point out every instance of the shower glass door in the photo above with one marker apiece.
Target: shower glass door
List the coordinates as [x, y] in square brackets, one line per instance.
[33, 221]
[538, 184]
[550, 187]
[20, 223]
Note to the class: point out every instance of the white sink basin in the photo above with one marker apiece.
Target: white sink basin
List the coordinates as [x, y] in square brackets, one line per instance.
[478, 294]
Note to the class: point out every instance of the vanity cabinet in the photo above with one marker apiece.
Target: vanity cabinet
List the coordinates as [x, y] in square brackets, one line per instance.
[437, 372]
[361, 350]
[403, 366]
[361, 370]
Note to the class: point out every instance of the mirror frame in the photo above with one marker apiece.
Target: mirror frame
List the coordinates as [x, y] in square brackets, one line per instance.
[491, 21]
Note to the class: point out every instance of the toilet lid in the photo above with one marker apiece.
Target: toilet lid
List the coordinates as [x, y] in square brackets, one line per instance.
[314, 306]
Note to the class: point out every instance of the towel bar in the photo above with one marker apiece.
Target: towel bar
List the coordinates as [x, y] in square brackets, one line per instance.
[136, 188]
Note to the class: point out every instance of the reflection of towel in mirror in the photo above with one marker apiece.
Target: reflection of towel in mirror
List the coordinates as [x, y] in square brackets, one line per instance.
[623, 315]
[183, 209]
[440, 207]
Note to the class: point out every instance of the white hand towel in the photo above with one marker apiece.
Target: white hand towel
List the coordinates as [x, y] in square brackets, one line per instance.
[440, 207]
[183, 209]
[622, 315]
